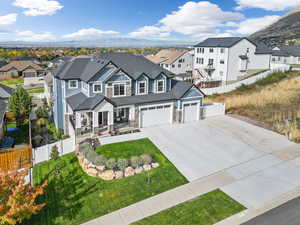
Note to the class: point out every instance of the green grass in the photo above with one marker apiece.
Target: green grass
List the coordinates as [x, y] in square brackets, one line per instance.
[207, 209]
[35, 90]
[74, 197]
[13, 81]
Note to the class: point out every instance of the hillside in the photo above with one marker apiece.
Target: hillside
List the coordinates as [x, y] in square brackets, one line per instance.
[286, 28]
[273, 101]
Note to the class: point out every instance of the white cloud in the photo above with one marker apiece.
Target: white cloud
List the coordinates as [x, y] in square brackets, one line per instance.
[31, 36]
[151, 32]
[249, 26]
[193, 18]
[274, 5]
[89, 33]
[8, 19]
[38, 7]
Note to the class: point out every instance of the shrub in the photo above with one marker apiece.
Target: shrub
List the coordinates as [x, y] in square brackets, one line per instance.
[100, 160]
[111, 163]
[41, 112]
[146, 159]
[122, 164]
[54, 153]
[91, 156]
[136, 161]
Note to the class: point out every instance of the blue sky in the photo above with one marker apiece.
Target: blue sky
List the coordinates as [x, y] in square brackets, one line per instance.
[53, 20]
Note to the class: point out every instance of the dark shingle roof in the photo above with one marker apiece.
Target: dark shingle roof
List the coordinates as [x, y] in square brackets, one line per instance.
[5, 92]
[2, 109]
[288, 50]
[3, 63]
[75, 100]
[261, 48]
[225, 42]
[86, 68]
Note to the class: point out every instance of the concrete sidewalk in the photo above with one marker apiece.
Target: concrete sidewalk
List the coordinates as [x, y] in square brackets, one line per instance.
[163, 201]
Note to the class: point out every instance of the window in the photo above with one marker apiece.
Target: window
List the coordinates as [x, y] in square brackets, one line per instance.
[298, 58]
[199, 60]
[210, 62]
[222, 61]
[273, 59]
[167, 65]
[73, 84]
[279, 58]
[97, 88]
[211, 50]
[142, 89]
[222, 50]
[179, 65]
[221, 73]
[160, 86]
[181, 60]
[173, 66]
[248, 50]
[119, 90]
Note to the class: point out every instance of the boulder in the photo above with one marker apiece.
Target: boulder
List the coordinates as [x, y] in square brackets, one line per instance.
[86, 162]
[119, 174]
[91, 165]
[139, 170]
[92, 172]
[146, 167]
[100, 168]
[155, 165]
[129, 171]
[107, 175]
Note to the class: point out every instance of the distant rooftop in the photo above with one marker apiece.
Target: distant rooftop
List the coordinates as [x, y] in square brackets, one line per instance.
[167, 56]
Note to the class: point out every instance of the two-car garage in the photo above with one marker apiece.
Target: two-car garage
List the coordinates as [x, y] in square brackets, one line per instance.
[156, 115]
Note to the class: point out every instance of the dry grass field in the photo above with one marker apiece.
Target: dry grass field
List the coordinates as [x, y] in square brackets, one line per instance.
[274, 100]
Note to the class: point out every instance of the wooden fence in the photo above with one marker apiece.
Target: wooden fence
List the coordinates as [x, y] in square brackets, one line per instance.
[16, 158]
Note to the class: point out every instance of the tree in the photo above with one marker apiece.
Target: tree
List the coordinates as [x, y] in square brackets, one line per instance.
[18, 198]
[54, 153]
[20, 104]
[41, 112]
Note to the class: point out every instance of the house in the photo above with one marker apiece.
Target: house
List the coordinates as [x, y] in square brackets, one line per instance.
[32, 73]
[3, 63]
[59, 60]
[5, 92]
[176, 61]
[229, 58]
[286, 55]
[48, 87]
[114, 91]
[2, 116]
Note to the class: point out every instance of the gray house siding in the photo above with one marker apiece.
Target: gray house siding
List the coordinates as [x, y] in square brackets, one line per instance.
[58, 105]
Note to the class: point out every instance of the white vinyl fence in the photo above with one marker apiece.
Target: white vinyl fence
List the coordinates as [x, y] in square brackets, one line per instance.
[214, 109]
[250, 80]
[42, 153]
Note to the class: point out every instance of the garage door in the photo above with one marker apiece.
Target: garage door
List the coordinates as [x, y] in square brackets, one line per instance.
[190, 112]
[155, 115]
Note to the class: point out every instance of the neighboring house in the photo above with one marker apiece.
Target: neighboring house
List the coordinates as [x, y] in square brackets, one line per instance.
[59, 60]
[3, 63]
[5, 92]
[286, 55]
[184, 77]
[227, 59]
[116, 91]
[32, 73]
[176, 61]
[48, 87]
[2, 116]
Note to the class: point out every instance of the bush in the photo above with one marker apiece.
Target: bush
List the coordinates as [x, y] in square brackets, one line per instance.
[136, 161]
[100, 160]
[111, 163]
[122, 164]
[41, 112]
[146, 159]
[244, 87]
[54, 153]
[91, 156]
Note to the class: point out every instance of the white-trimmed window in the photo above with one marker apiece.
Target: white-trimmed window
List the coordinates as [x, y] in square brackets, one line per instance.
[222, 50]
[97, 87]
[73, 84]
[160, 86]
[142, 87]
[222, 61]
[119, 90]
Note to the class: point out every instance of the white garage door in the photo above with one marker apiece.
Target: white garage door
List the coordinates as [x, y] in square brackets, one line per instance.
[190, 111]
[155, 115]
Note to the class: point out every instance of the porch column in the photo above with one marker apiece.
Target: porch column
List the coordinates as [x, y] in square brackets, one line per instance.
[77, 123]
[110, 121]
[95, 122]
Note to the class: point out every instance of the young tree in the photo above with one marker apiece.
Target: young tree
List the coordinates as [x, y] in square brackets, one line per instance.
[54, 153]
[18, 198]
[20, 104]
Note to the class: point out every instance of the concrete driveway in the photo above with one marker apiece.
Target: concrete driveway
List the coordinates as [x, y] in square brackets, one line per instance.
[202, 148]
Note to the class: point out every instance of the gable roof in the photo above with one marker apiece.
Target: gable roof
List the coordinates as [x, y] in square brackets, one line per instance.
[5, 92]
[225, 42]
[167, 56]
[20, 66]
[86, 68]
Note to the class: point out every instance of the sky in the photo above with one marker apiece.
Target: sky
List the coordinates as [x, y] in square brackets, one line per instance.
[65, 20]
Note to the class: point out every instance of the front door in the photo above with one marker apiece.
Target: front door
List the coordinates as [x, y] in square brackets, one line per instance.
[102, 119]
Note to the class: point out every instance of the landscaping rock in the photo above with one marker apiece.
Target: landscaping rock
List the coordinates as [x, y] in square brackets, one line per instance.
[146, 167]
[155, 165]
[91, 165]
[92, 172]
[100, 168]
[119, 174]
[129, 171]
[139, 170]
[107, 175]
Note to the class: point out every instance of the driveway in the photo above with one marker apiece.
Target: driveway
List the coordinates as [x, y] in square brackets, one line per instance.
[202, 148]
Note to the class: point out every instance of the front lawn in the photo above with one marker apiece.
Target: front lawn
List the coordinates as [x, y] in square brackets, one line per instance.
[207, 209]
[72, 197]
[14, 81]
[35, 90]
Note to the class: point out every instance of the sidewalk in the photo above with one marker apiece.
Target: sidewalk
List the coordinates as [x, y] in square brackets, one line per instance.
[163, 201]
